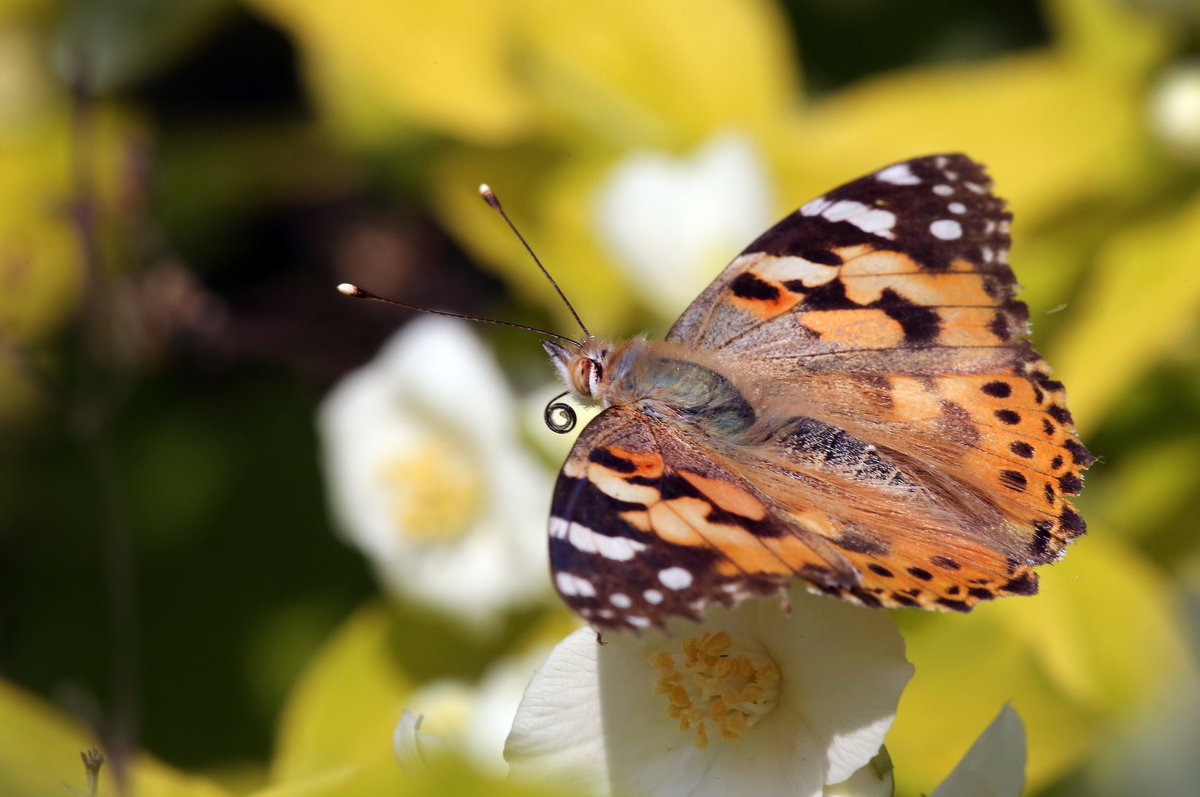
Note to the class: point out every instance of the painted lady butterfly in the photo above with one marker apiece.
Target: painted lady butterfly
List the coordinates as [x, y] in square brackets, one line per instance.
[852, 403]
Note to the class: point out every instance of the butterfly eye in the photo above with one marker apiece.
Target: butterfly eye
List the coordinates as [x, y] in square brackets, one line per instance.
[559, 417]
[595, 374]
[583, 376]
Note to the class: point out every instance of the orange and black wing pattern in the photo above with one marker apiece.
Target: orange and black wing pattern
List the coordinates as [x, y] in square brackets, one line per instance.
[887, 308]
[647, 524]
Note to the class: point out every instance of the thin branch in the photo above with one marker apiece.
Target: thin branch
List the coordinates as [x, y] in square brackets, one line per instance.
[95, 431]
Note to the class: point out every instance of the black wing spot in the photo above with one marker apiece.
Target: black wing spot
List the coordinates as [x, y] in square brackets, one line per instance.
[1021, 449]
[1070, 483]
[1009, 417]
[997, 389]
[1024, 584]
[1060, 414]
[605, 457]
[1072, 522]
[917, 572]
[748, 286]
[1079, 454]
[1013, 480]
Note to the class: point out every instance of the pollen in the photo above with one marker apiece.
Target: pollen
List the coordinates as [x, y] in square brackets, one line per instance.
[435, 490]
[716, 686]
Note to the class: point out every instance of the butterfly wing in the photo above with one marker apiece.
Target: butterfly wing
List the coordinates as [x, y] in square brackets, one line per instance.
[887, 309]
[646, 522]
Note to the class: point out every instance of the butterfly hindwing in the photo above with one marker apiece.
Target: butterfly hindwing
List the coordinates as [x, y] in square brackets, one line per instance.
[646, 523]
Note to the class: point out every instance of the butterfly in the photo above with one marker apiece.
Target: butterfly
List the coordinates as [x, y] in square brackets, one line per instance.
[852, 403]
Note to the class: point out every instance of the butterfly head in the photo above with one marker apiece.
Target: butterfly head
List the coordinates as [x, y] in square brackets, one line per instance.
[582, 368]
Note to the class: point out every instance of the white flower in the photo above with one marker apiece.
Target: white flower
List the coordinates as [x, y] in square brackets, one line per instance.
[427, 476]
[672, 223]
[873, 780]
[1175, 109]
[453, 715]
[756, 701]
[995, 764]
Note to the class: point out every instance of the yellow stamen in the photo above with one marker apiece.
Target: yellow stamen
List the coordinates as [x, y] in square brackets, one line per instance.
[713, 681]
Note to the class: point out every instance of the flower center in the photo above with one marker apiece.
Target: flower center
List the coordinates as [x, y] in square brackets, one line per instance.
[436, 490]
[714, 683]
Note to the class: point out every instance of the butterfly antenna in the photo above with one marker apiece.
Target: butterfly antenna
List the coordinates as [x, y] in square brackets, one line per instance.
[346, 289]
[490, 198]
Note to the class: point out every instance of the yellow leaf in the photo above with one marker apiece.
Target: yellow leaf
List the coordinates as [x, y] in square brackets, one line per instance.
[1112, 35]
[338, 721]
[443, 64]
[1142, 293]
[553, 208]
[1046, 127]
[40, 751]
[1100, 640]
[657, 73]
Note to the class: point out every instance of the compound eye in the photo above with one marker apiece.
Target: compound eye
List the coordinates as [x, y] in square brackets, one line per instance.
[595, 376]
[583, 377]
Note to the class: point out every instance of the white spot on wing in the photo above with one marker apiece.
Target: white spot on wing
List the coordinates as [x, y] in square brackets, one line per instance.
[943, 190]
[900, 174]
[957, 207]
[620, 600]
[652, 596]
[571, 584]
[946, 229]
[872, 220]
[878, 222]
[638, 622]
[843, 210]
[815, 207]
[783, 269]
[675, 578]
[622, 549]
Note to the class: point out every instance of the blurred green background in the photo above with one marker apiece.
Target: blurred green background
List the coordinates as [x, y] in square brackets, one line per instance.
[184, 183]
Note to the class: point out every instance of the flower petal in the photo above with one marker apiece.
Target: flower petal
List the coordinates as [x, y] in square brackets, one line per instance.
[558, 729]
[671, 223]
[593, 710]
[995, 764]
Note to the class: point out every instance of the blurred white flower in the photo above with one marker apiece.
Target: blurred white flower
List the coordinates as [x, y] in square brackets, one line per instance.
[995, 764]
[756, 701]
[428, 477]
[673, 223]
[472, 720]
[1175, 109]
